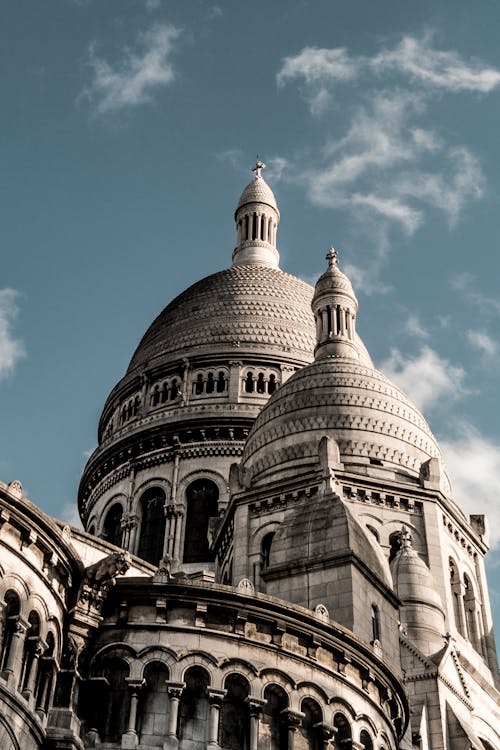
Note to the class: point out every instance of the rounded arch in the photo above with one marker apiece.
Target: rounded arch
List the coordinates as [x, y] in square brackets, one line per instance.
[199, 659]
[309, 729]
[13, 581]
[370, 724]
[202, 505]
[153, 724]
[111, 529]
[153, 655]
[116, 497]
[8, 739]
[273, 731]
[120, 649]
[194, 707]
[365, 740]
[234, 716]
[308, 689]
[151, 511]
[271, 675]
[146, 484]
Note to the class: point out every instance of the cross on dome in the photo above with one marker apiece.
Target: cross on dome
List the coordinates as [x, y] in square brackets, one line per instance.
[332, 257]
[259, 166]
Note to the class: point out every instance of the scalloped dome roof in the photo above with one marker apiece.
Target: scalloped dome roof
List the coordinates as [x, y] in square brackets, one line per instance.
[258, 191]
[371, 419]
[251, 307]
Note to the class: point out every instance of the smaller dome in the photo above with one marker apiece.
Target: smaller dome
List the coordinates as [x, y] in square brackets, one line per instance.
[258, 191]
[333, 280]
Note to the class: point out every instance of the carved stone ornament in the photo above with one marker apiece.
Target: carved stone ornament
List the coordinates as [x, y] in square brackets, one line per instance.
[245, 586]
[321, 612]
[16, 488]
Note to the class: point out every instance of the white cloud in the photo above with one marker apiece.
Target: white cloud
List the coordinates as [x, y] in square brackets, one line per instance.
[414, 327]
[11, 349]
[131, 81]
[428, 379]
[482, 342]
[417, 59]
[276, 167]
[473, 462]
[320, 69]
[152, 5]
[465, 283]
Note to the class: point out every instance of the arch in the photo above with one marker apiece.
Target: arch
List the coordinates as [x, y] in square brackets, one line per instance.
[153, 521]
[234, 718]
[8, 740]
[343, 734]
[272, 674]
[31, 641]
[265, 550]
[107, 705]
[153, 702]
[308, 734]
[273, 732]
[455, 589]
[365, 740]
[111, 528]
[194, 706]
[394, 544]
[202, 497]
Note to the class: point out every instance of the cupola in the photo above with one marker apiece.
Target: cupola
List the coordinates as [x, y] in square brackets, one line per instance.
[257, 218]
[335, 306]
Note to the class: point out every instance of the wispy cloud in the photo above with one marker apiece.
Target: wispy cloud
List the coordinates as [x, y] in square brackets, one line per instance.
[152, 5]
[388, 169]
[466, 284]
[414, 327]
[428, 379]
[473, 461]
[11, 349]
[319, 70]
[132, 80]
[69, 514]
[483, 343]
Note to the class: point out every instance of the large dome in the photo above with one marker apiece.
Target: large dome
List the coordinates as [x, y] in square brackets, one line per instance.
[241, 307]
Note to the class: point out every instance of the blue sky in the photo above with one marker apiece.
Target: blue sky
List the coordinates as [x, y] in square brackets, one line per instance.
[127, 130]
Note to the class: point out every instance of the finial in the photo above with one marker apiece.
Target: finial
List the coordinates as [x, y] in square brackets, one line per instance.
[332, 257]
[259, 166]
[406, 539]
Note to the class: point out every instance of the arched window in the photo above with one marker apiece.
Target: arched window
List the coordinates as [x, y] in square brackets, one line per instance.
[366, 740]
[343, 735]
[194, 708]
[153, 522]
[308, 733]
[249, 382]
[234, 720]
[471, 620]
[155, 396]
[395, 544]
[11, 616]
[273, 734]
[164, 392]
[112, 530]
[198, 384]
[375, 612]
[261, 383]
[221, 382]
[210, 387]
[174, 390]
[456, 595]
[265, 550]
[272, 385]
[117, 705]
[29, 662]
[201, 496]
[154, 701]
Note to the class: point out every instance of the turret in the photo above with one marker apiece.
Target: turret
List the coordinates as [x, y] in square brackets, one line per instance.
[257, 218]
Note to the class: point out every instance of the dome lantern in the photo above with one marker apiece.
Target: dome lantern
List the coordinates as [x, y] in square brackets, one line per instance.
[335, 306]
[257, 218]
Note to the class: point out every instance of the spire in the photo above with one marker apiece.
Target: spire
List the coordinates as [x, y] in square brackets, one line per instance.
[257, 218]
[335, 306]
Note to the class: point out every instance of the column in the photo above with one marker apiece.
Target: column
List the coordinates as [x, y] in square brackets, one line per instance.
[174, 692]
[324, 324]
[255, 706]
[37, 650]
[293, 719]
[179, 514]
[19, 629]
[342, 321]
[215, 698]
[130, 738]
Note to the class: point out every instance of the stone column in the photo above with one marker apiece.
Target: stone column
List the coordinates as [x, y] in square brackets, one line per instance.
[255, 706]
[215, 698]
[174, 692]
[14, 657]
[293, 719]
[37, 649]
[130, 738]
[178, 515]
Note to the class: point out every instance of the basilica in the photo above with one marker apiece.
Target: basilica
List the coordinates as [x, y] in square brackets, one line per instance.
[272, 556]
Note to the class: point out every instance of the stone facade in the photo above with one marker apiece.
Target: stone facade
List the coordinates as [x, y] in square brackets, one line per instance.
[272, 557]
